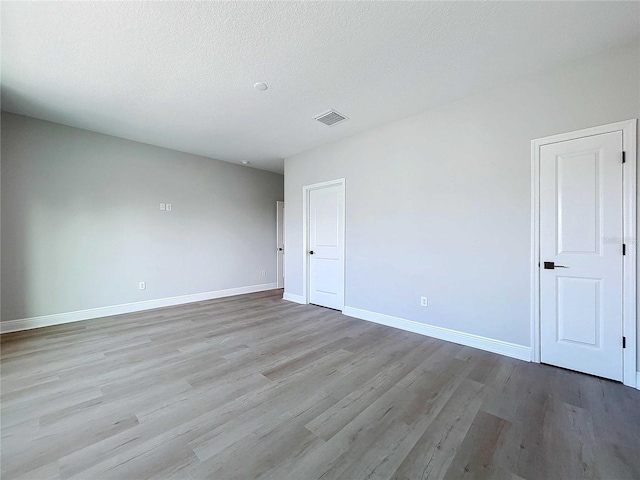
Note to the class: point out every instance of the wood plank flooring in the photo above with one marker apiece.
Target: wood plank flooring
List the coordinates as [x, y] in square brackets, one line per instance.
[255, 387]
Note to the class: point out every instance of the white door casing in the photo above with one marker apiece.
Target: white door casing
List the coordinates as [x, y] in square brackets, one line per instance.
[280, 244]
[583, 214]
[325, 244]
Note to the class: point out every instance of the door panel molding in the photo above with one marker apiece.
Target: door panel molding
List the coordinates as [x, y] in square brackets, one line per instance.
[628, 129]
[340, 182]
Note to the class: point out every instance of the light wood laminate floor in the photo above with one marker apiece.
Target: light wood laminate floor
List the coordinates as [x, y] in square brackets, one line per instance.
[256, 387]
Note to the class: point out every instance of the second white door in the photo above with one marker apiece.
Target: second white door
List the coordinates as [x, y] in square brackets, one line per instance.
[280, 244]
[581, 270]
[326, 246]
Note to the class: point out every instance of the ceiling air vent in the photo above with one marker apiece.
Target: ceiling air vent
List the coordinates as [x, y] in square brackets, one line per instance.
[330, 118]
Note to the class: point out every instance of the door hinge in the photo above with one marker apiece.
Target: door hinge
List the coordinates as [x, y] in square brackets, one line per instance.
[623, 157]
[624, 248]
[624, 342]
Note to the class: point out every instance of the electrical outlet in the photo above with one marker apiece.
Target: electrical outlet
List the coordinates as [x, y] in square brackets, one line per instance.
[264, 273]
[142, 285]
[423, 301]
[168, 207]
[162, 206]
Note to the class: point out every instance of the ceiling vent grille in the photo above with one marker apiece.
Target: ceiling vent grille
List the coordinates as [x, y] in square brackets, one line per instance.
[330, 118]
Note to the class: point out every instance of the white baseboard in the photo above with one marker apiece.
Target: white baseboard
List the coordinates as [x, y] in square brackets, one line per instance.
[292, 297]
[60, 318]
[483, 343]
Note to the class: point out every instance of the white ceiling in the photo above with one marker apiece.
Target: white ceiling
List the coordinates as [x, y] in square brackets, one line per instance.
[181, 74]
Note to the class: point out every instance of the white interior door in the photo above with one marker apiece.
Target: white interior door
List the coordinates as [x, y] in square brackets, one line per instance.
[581, 262]
[326, 246]
[280, 244]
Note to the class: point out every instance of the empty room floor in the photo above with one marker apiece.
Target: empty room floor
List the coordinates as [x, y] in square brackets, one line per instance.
[255, 387]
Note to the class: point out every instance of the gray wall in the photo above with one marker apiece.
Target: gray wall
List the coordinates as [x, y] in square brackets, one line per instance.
[438, 204]
[81, 223]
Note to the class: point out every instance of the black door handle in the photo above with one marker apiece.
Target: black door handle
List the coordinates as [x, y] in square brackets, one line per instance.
[311, 252]
[279, 249]
[552, 265]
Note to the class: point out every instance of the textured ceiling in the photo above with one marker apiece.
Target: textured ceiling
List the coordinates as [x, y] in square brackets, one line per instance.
[181, 75]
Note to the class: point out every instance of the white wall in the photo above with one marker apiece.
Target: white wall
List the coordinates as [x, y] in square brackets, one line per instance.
[438, 204]
[81, 223]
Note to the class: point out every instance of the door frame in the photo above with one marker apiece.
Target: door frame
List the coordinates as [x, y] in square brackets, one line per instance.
[628, 129]
[340, 182]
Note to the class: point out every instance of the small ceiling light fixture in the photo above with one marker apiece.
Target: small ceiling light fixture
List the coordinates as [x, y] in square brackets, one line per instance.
[246, 162]
[260, 86]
